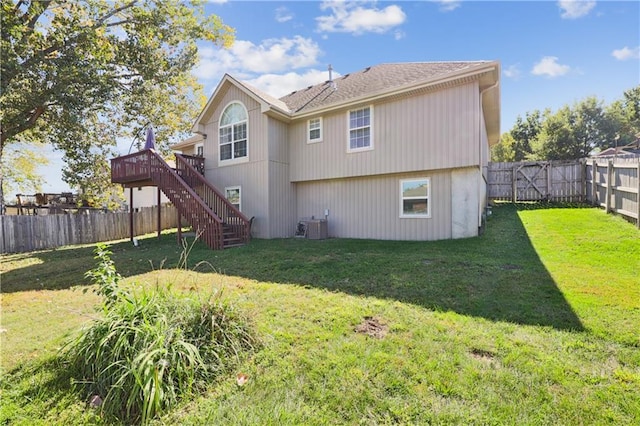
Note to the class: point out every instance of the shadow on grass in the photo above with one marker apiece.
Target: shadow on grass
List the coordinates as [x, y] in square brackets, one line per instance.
[65, 267]
[498, 276]
[546, 205]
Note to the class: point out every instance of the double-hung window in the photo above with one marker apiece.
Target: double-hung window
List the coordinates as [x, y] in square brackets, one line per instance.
[314, 130]
[233, 132]
[415, 198]
[360, 130]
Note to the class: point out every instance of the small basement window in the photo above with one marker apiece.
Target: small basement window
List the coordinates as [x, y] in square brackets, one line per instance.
[233, 194]
[415, 198]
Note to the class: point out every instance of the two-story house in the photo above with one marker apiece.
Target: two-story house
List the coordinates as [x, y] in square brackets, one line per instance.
[394, 151]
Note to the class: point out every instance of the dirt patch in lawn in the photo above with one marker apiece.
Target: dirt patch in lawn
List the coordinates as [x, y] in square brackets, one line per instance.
[372, 326]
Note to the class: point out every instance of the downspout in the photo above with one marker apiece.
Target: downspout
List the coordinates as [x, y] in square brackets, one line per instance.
[486, 192]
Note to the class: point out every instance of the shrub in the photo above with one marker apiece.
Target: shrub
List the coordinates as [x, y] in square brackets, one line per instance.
[154, 348]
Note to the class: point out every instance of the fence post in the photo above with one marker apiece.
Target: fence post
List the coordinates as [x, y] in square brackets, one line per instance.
[638, 196]
[609, 186]
[549, 177]
[583, 180]
[594, 185]
[514, 184]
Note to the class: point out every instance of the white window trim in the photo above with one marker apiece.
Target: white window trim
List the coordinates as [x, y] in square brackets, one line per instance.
[195, 148]
[309, 140]
[232, 161]
[415, 216]
[366, 148]
[232, 188]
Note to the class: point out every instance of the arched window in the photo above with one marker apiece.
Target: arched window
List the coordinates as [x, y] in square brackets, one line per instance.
[233, 132]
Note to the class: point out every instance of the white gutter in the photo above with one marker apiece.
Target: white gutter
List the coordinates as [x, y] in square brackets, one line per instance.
[493, 86]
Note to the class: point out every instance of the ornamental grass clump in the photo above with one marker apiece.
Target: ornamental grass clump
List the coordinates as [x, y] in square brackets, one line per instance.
[152, 349]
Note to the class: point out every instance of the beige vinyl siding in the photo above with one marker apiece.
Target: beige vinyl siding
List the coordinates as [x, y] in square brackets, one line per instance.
[257, 128]
[282, 218]
[253, 180]
[369, 207]
[189, 150]
[437, 130]
[251, 176]
[281, 192]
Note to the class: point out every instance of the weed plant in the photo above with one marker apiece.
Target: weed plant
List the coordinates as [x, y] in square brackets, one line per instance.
[154, 348]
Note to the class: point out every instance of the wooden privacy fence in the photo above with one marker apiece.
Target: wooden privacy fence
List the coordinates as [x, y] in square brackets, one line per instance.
[614, 185]
[28, 233]
[610, 183]
[536, 181]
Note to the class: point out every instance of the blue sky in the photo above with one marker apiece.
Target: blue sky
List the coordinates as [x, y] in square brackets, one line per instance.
[552, 52]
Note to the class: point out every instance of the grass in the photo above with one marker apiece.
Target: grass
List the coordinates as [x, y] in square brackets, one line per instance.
[535, 322]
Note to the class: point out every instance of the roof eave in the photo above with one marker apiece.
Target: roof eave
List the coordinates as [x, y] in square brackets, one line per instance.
[265, 106]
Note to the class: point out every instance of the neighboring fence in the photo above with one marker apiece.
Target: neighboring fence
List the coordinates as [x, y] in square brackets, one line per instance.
[28, 233]
[610, 183]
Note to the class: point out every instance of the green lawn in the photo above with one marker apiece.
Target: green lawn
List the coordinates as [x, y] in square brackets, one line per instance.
[536, 322]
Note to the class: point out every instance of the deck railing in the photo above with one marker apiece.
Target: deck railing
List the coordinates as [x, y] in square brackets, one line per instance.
[195, 161]
[205, 208]
[131, 168]
[148, 165]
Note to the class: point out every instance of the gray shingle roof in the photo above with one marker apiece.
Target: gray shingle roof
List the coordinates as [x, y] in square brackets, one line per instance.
[375, 79]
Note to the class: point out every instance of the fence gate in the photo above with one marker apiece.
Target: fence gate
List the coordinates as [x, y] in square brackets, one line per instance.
[536, 181]
[532, 182]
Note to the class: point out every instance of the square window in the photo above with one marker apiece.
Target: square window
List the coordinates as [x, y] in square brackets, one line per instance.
[415, 197]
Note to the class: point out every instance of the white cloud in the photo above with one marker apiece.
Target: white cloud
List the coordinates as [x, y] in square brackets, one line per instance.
[513, 71]
[218, 1]
[358, 18]
[550, 67]
[245, 58]
[279, 85]
[449, 5]
[573, 9]
[626, 53]
[283, 14]
[399, 34]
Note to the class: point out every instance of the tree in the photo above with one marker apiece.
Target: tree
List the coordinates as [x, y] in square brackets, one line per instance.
[79, 74]
[20, 169]
[624, 118]
[573, 132]
[523, 133]
[505, 149]
[556, 139]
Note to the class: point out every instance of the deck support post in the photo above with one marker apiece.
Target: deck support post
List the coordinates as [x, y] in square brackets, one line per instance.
[131, 213]
[159, 215]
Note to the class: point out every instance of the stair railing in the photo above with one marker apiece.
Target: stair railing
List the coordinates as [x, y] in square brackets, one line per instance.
[203, 220]
[230, 216]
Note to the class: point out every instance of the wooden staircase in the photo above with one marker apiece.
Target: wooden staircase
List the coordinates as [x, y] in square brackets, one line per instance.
[217, 222]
